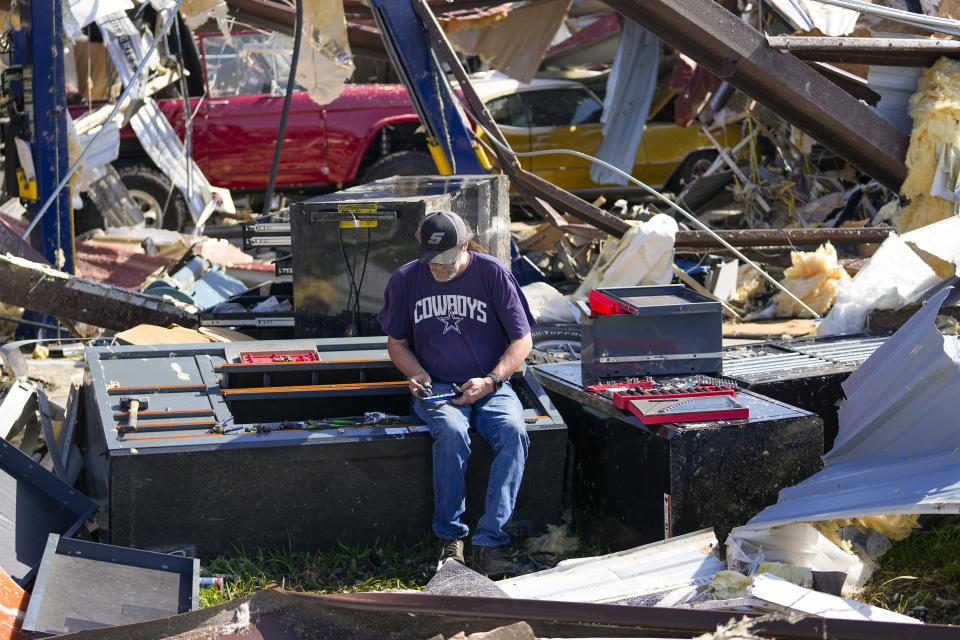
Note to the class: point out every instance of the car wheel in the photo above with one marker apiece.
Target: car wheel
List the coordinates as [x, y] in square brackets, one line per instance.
[161, 204]
[401, 163]
[561, 342]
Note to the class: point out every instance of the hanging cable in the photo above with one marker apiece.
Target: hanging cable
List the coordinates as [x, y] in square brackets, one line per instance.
[692, 218]
[116, 108]
[291, 83]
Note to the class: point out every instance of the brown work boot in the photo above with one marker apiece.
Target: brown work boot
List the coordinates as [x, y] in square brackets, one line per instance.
[449, 549]
[491, 562]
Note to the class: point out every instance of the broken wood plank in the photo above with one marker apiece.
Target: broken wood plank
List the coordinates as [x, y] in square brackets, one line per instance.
[783, 237]
[892, 52]
[739, 54]
[35, 286]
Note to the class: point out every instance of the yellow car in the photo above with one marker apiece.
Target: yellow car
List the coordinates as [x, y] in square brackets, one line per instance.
[563, 114]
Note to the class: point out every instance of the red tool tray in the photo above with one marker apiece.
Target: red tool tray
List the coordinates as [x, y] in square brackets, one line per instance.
[621, 399]
[609, 389]
[270, 357]
[652, 411]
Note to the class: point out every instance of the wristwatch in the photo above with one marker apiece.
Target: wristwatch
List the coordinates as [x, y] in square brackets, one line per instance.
[497, 381]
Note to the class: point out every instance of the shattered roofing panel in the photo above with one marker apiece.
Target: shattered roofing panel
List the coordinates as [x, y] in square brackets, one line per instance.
[657, 567]
[902, 400]
[898, 445]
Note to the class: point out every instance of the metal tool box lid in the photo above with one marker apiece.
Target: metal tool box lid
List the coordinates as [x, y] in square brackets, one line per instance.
[660, 300]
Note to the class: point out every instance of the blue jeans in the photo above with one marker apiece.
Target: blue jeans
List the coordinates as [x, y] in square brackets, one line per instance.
[498, 418]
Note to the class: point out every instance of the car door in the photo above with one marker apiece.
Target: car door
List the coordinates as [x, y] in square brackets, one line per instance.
[514, 123]
[564, 117]
[246, 76]
[568, 117]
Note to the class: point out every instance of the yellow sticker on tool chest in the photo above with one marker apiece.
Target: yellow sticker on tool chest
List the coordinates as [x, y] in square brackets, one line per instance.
[358, 224]
[357, 208]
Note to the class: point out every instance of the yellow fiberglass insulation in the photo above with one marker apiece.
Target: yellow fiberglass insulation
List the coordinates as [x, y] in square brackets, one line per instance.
[815, 278]
[921, 211]
[894, 527]
[730, 584]
[934, 142]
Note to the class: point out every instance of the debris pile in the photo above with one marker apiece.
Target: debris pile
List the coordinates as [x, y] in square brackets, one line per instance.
[196, 180]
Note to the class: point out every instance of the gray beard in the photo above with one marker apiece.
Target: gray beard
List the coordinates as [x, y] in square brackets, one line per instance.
[443, 278]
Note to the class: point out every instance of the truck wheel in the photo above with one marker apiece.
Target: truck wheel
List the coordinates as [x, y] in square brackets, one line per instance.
[401, 163]
[151, 190]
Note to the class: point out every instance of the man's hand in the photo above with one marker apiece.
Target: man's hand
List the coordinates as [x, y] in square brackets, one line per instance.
[474, 389]
[419, 382]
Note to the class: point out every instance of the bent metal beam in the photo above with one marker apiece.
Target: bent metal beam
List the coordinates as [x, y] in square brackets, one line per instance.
[739, 54]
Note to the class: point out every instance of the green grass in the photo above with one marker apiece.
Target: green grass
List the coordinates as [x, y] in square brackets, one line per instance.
[920, 575]
[377, 567]
[346, 569]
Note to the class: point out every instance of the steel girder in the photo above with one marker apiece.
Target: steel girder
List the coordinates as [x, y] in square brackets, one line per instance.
[739, 54]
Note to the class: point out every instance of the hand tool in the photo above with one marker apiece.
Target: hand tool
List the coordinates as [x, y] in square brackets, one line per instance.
[258, 428]
[455, 392]
[218, 428]
[425, 390]
[133, 405]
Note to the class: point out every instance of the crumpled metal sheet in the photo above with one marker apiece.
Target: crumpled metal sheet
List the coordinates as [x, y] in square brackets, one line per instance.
[895, 453]
[155, 133]
[630, 88]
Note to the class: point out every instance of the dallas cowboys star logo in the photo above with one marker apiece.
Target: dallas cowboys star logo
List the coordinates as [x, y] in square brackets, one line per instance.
[450, 323]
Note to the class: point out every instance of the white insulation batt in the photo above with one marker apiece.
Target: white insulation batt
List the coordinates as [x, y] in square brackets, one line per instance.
[643, 256]
[896, 454]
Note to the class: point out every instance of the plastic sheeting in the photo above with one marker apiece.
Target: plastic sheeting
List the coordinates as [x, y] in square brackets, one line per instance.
[514, 43]
[327, 63]
[806, 15]
[549, 306]
[940, 239]
[630, 88]
[894, 275]
[643, 256]
[895, 453]
[77, 14]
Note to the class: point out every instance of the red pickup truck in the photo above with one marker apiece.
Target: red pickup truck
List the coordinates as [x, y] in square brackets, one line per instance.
[370, 131]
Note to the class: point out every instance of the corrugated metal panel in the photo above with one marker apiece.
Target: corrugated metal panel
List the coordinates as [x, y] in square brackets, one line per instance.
[897, 447]
[661, 566]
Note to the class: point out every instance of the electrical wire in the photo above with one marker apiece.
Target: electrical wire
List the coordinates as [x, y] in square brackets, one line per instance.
[353, 298]
[662, 197]
[116, 108]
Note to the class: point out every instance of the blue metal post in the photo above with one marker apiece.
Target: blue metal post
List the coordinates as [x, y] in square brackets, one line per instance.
[409, 47]
[42, 24]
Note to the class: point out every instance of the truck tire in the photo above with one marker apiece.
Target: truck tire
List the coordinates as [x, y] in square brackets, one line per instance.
[560, 341]
[151, 189]
[401, 163]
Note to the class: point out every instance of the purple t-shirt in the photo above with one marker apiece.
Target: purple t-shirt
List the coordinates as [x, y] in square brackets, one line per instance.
[457, 329]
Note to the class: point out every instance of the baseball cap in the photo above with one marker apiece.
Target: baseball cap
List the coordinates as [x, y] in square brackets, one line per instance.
[440, 234]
